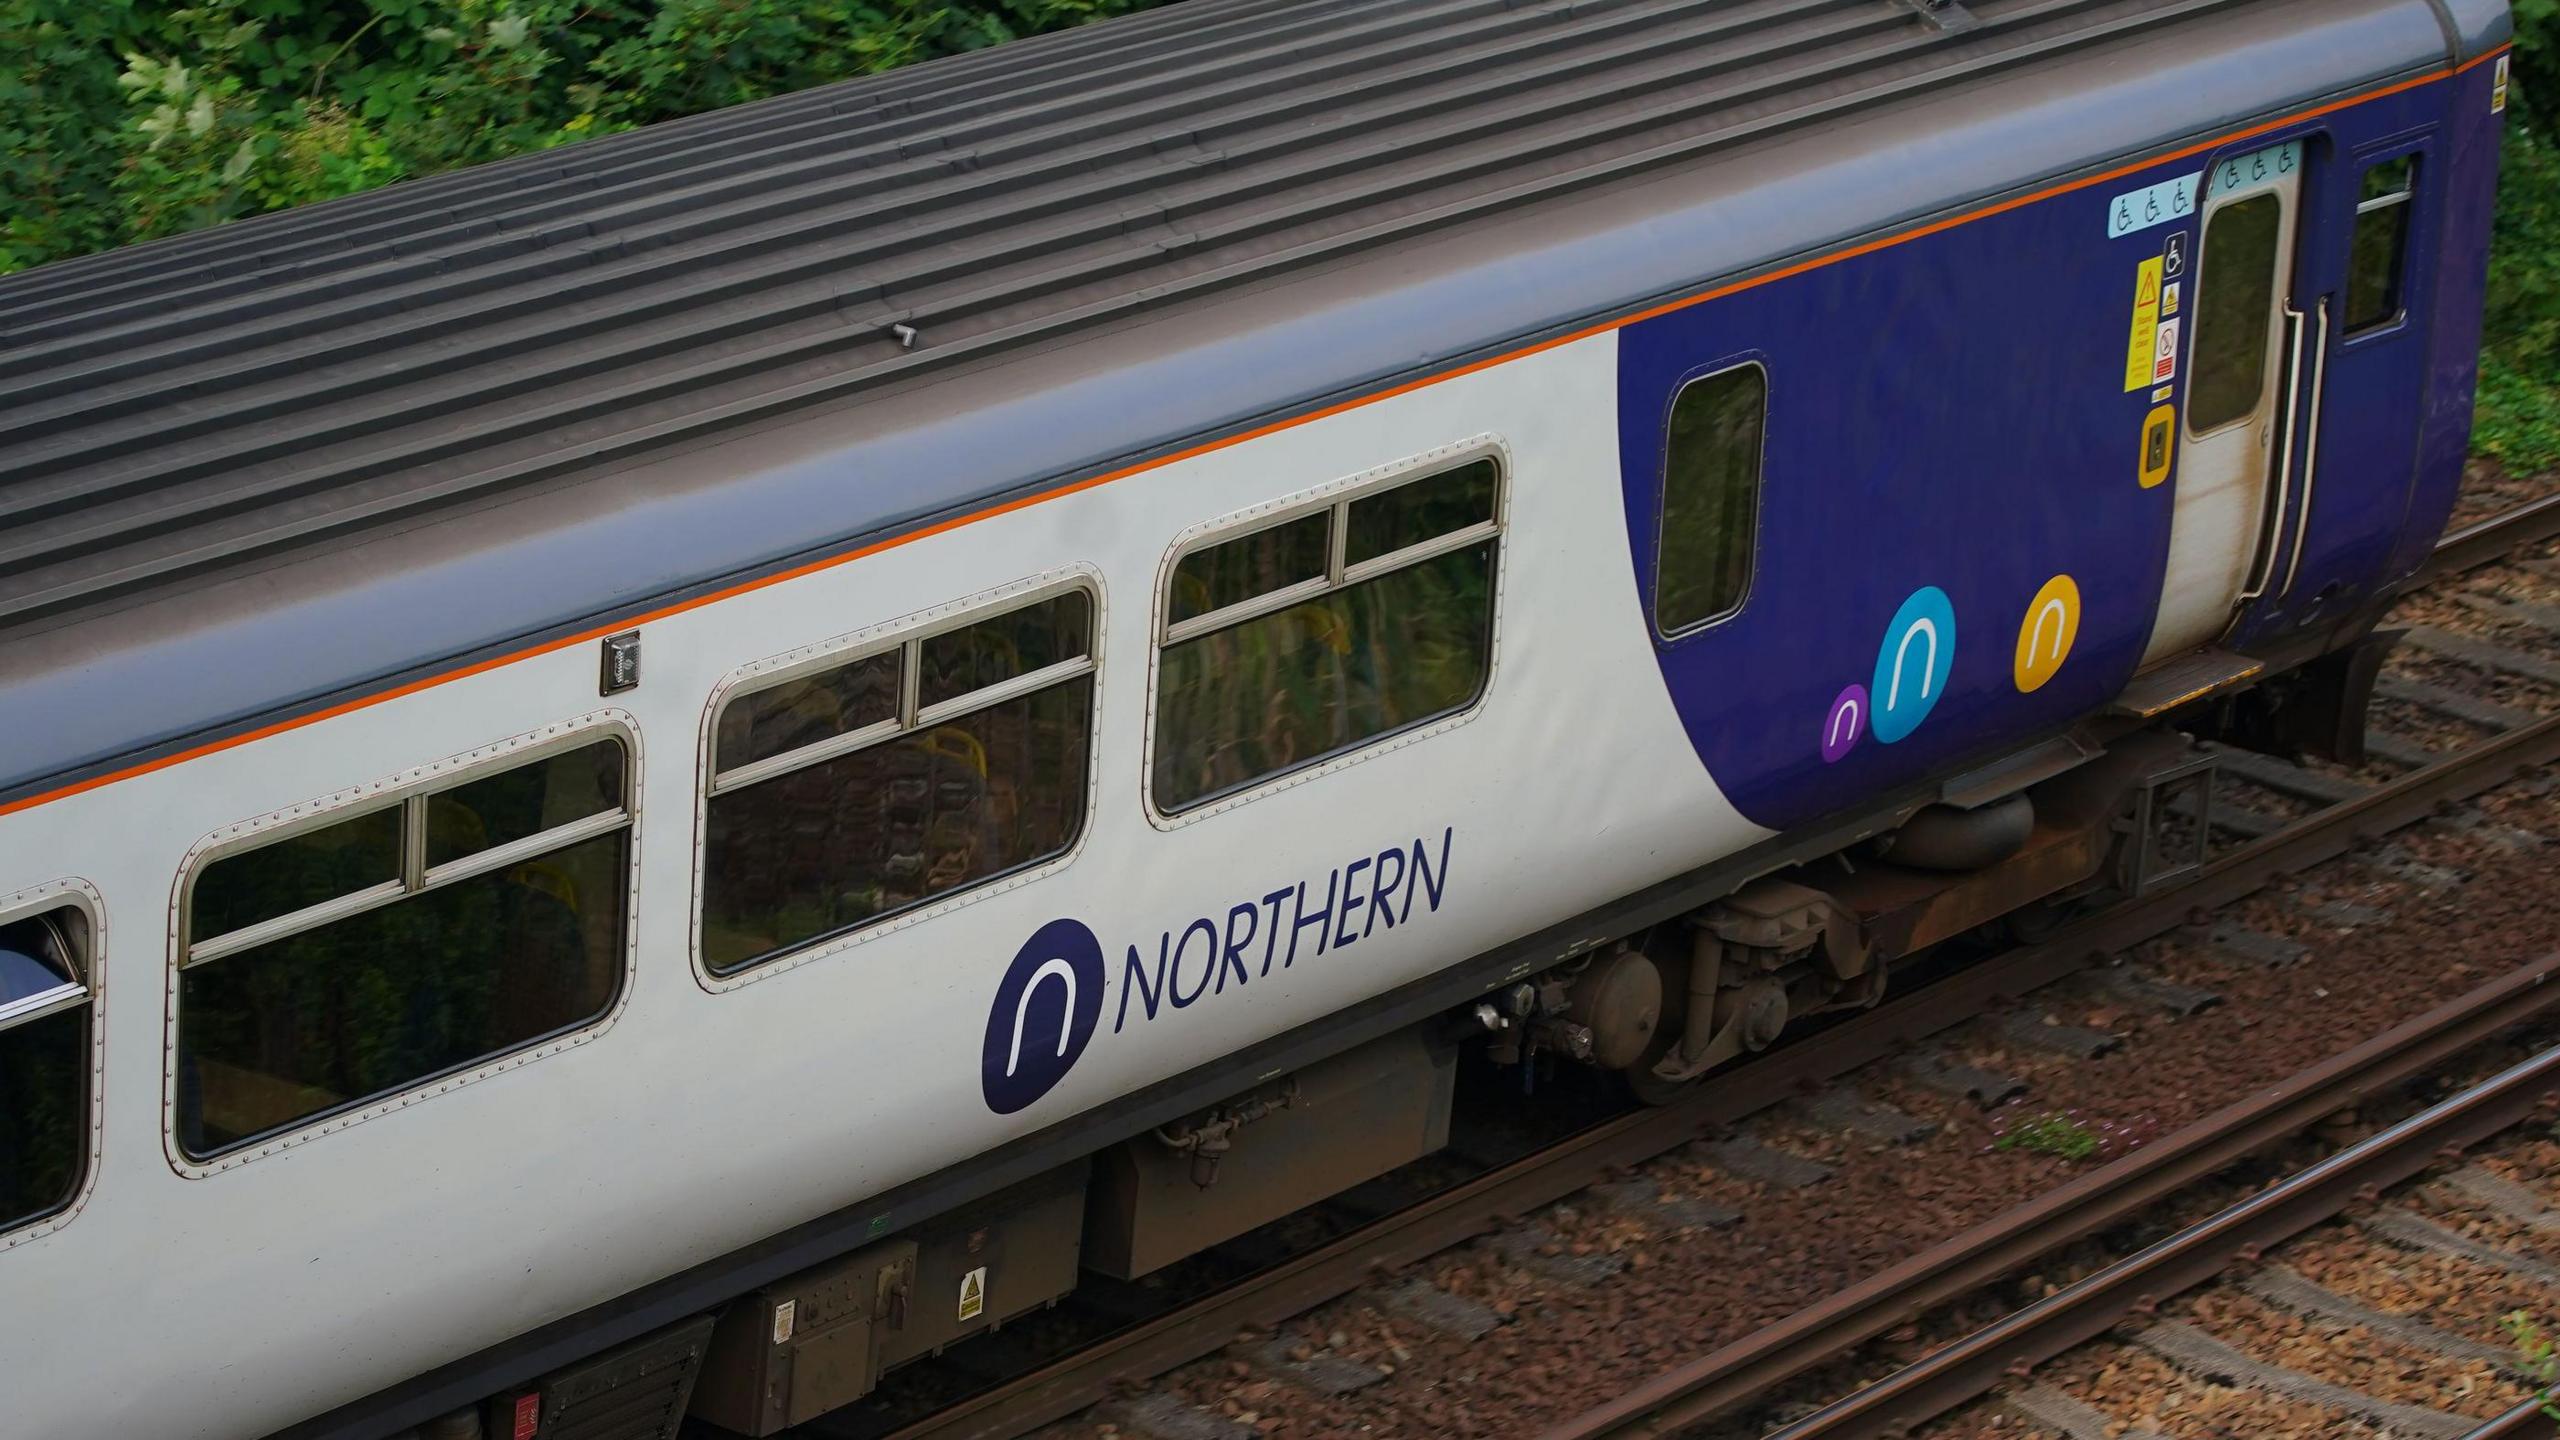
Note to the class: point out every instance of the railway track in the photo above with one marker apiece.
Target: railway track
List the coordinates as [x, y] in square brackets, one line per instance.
[2262, 848]
[2087, 1308]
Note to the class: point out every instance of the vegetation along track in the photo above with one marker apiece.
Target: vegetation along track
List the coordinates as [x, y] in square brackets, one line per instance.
[1400, 1325]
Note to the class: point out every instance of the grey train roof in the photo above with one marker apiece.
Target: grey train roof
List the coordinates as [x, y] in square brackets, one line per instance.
[259, 466]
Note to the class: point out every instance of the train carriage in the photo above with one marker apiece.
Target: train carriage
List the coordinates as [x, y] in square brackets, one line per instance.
[711, 759]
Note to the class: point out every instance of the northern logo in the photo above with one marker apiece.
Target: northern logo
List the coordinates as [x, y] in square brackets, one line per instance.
[1044, 1015]
[1048, 1006]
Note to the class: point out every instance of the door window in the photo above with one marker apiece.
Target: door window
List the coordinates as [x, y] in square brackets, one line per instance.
[2379, 253]
[1710, 498]
[2235, 308]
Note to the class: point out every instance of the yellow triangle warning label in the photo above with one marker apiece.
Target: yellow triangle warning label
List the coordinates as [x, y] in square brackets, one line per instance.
[973, 1293]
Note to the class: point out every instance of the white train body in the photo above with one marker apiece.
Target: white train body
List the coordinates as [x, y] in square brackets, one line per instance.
[282, 1279]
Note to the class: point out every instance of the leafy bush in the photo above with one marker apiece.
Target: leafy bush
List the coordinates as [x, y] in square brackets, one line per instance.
[122, 121]
[2519, 418]
[2535, 99]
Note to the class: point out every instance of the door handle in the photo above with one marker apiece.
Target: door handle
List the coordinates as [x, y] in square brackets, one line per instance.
[2311, 446]
[2263, 572]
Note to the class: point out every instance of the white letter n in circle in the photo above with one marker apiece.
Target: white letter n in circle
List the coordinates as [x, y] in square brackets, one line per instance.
[1022, 1007]
[1902, 652]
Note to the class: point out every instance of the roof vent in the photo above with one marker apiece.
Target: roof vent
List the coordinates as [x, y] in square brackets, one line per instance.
[1946, 16]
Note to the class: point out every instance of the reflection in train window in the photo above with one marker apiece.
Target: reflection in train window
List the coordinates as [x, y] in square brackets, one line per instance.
[353, 856]
[44, 1062]
[2380, 250]
[800, 713]
[2235, 312]
[1710, 498]
[312, 984]
[1292, 553]
[1397, 630]
[1028, 641]
[976, 772]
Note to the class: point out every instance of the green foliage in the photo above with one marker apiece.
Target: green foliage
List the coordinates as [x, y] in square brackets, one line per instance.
[58, 98]
[2534, 101]
[2058, 1135]
[2519, 415]
[2540, 1356]
[122, 121]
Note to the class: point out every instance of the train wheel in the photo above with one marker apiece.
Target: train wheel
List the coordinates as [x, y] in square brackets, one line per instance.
[1647, 1087]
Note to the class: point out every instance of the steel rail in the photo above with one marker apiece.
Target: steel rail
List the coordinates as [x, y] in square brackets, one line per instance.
[1733, 1376]
[2527, 1421]
[2085, 1309]
[2484, 542]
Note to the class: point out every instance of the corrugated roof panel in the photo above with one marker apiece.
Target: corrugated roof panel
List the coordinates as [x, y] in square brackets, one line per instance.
[193, 402]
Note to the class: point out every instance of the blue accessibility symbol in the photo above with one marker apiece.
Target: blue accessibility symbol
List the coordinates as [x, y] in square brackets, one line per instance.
[1912, 666]
[1044, 1014]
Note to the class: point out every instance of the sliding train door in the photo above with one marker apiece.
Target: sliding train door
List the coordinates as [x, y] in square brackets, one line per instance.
[2247, 351]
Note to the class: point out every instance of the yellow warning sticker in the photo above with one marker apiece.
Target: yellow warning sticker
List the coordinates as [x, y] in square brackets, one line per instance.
[973, 1293]
[2498, 92]
[2140, 351]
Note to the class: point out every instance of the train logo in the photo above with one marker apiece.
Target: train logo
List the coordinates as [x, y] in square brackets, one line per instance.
[1912, 666]
[1846, 722]
[2052, 623]
[1045, 1012]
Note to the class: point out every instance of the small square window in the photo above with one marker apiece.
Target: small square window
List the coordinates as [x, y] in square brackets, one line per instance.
[1710, 498]
[2378, 257]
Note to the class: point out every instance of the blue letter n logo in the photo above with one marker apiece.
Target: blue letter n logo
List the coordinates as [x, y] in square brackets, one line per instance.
[1045, 1010]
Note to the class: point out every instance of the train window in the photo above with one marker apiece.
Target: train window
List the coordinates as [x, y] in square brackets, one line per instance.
[1710, 498]
[1029, 641]
[796, 714]
[977, 772]
[311, 984]
[528, 800]
[2378, 256]
[314, 868]
[1279, 558]
[44, 1063]
[2235, 305]
[1417, 513]
[1395, 629]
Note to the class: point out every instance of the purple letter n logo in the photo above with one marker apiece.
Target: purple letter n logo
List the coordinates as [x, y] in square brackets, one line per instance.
[1045, 1010]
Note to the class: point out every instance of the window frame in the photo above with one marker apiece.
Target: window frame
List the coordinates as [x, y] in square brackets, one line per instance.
[408, 790]
[1716, 370]
[908, 634]
[2420, 153]
[1338, 497]
[74, 894]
